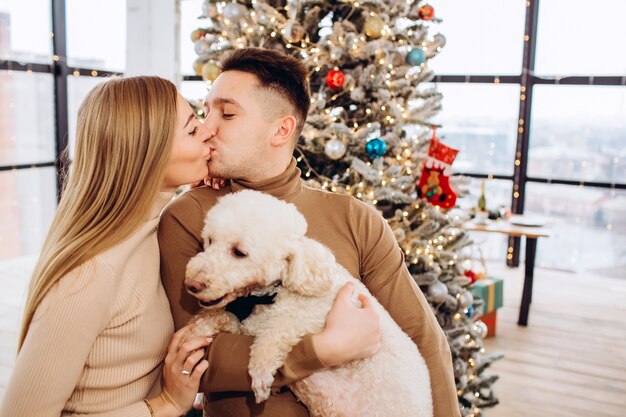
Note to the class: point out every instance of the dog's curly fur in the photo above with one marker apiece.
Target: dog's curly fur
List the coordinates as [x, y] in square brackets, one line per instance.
[253, 241]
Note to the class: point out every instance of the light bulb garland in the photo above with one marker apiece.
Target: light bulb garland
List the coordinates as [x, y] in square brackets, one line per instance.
[367, 131]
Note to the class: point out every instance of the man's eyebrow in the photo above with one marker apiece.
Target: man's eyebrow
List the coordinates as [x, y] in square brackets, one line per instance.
[222, 101]
[191, 116]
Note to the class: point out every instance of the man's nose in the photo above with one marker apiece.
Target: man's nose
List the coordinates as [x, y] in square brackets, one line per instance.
[194, 286]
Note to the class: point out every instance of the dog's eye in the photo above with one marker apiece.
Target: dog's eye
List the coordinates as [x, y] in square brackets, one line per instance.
[208, 241]
[239, 254]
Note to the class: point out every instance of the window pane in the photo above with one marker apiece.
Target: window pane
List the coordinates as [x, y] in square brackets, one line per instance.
[481, 121]
[578, 133]
[77, 89]
[190, 10]
[492, 246]
[27, 205]
[26, 118]
[25, 28]
[483, 36]
[96, 34]
[588, 227]
[497, 194]
[579, 37]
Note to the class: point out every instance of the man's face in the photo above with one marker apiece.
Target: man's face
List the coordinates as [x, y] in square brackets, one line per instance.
[239, 115]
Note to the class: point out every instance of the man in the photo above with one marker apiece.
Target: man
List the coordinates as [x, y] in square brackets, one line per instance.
[255, 112]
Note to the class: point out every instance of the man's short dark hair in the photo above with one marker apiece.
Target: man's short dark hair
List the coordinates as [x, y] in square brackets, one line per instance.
[283, 74]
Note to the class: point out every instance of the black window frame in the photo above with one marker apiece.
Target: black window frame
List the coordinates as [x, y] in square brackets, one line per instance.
[60, 72]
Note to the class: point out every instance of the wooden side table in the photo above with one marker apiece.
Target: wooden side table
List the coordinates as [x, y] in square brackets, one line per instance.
[531, 234]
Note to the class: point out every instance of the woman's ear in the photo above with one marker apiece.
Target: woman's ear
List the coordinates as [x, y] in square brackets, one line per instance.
[310, 270]
[284, 131]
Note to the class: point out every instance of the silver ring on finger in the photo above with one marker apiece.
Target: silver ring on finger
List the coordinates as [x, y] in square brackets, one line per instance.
[185, 372]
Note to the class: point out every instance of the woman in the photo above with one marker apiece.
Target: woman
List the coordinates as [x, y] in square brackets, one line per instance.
[97, 323]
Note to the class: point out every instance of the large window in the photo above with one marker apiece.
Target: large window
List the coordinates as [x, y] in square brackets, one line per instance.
[43, 78]
[556, 132]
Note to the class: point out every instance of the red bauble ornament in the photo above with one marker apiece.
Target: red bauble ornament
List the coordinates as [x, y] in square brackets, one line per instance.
[471, 275]
[335, 79]
[426, 12]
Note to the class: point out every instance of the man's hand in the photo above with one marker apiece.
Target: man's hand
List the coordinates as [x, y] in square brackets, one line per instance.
[352, 332]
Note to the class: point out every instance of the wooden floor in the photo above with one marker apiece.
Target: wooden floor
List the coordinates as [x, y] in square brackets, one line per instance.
[569, 361]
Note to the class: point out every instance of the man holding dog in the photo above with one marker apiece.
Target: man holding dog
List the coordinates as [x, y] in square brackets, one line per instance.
[255, 112]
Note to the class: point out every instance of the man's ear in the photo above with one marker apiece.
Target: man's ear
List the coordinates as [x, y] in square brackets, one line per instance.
[284, 131]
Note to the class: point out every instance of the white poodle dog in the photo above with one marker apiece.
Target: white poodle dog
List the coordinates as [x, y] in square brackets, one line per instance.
[256, 244]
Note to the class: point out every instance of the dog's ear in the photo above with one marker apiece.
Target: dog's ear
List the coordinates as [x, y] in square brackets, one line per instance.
[310, 270]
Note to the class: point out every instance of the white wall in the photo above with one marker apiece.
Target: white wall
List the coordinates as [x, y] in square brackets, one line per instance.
[153, 44]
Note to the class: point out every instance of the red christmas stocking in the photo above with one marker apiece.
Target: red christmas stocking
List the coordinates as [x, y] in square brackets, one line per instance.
[434, 183]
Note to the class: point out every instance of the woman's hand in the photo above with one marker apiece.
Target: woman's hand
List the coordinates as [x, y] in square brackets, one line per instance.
[351, 332]
[183, 368]
[215, 183]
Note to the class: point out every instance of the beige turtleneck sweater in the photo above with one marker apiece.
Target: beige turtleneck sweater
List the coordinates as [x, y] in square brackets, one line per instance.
[98, 338]
[361, 241]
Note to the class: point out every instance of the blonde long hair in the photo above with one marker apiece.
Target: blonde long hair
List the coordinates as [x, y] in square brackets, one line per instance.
[124, 136]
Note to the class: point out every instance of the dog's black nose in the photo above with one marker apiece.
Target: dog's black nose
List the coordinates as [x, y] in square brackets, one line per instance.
[194, 287]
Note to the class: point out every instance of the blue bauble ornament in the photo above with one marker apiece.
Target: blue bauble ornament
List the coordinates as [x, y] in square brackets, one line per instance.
[469, 312]
[375, 148]
[416, 57]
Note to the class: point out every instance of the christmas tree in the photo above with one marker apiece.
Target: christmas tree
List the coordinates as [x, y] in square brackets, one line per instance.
[368, 135]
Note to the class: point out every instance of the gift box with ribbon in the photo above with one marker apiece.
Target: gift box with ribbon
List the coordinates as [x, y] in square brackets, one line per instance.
[490, 320]
[490, 291]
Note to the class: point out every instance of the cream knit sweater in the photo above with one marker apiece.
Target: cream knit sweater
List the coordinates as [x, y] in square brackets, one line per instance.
[98, 339]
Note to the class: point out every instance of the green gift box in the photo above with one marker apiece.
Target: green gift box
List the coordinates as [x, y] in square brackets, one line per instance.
[490, 291]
